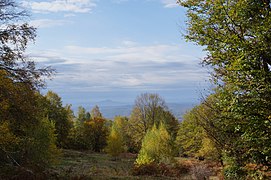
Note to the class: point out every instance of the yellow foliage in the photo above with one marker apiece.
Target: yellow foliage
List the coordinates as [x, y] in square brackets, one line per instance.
[156, 147]
[115, 142]
[208, 149]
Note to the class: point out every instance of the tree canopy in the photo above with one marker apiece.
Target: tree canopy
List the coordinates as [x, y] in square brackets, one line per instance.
[29, 136]
[236, 36]
[15, 35]
[150, 109]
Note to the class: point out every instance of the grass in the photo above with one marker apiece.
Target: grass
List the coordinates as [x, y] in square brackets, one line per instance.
[81, 165]
[88, 165]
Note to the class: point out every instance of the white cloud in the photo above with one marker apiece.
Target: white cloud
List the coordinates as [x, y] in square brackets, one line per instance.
[46, 23]
[69, 15]
[157, 66]
[136, 66]
[133, 53]
[74, 6]
[169, 3]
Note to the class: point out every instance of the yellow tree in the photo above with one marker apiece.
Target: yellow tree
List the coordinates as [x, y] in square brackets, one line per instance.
[156, 147]
[115, 141]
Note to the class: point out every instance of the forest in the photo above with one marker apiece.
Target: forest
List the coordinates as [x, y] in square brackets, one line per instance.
[226, 136]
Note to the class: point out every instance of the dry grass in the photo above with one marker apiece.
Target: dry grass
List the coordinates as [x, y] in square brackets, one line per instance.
[87, 165]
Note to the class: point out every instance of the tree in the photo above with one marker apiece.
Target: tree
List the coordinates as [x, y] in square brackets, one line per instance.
[88, 134]
[14, 38]
[23, 123]
[115, 140]
[150, 106]
[121, 123]
[99, 133]
[193, 135]
[59, 115]
[41, 145]
[190, 134]
[236, 36]
[18, 103]
[156, 147]
[8, 142]
[95, 112]
[81, 115]
[70, 113]
[21, 115]
[150, 109]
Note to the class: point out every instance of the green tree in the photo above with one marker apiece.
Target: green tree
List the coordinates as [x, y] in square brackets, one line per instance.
[156, 147]
[193, 139]
[149, 110]
[190, 134]
[236, 36]
[41, 145]
[77, 134]
[59, 115]
[70, 113]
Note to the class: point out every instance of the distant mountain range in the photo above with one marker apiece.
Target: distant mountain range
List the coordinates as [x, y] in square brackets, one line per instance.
[110, 108]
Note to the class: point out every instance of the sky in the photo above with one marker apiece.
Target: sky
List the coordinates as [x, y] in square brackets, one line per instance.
[116, 50]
